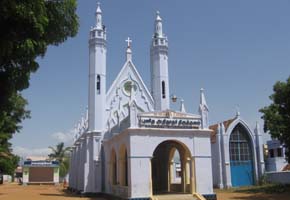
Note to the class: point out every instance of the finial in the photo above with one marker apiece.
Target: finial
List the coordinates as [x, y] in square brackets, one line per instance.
[99, 8]
[182, 106]
[238, 111]
[128, 51]
[129, 41]
[158, 18]
[257, 128]
[202, 97]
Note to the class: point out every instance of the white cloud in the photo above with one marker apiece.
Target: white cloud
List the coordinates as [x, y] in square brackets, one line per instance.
[66, 138]
[26, 152]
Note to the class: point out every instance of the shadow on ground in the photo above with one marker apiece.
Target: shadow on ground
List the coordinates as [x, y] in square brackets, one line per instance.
[268, 189]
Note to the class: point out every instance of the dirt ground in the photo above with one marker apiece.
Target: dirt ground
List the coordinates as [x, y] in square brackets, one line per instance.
[36, 192]
[225, 195]
[48, 192]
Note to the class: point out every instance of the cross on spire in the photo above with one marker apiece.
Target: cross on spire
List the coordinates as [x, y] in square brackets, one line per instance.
[129, 41]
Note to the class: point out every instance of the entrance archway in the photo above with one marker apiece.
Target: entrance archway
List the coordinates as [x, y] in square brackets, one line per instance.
[171, 168]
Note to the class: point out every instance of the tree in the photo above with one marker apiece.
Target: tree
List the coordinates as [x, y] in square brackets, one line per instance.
[61, 154]
[8, 163]
[276, 116]
[27, 29]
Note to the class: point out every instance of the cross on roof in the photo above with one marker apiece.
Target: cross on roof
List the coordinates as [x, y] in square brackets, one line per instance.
[129, 41]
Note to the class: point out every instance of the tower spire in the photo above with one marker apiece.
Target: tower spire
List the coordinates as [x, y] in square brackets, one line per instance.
[99, 24]
[159, 67]
[97, 75]
[158, 25]
[203, 110]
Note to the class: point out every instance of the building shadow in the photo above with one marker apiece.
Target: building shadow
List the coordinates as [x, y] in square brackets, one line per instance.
[69, 194]
[266, 189]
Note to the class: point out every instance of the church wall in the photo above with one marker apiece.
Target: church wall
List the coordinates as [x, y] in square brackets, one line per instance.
[116, 143]
[196, 141]
[202, 156]
[215, 160]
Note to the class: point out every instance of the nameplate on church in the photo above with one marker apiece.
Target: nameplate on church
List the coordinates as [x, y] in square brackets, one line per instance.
[171, 123]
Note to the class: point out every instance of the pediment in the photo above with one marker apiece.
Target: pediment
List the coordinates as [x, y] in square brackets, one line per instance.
[127, 87]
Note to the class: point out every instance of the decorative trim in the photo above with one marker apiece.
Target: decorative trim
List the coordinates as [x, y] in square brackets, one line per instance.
[140, 157]
[201, 156]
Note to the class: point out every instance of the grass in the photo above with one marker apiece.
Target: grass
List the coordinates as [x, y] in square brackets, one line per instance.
[267, 188]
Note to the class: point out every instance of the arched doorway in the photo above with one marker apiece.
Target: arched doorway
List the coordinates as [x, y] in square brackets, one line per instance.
[241, 157]
[123, 166]
[171, 164]
[113, 167]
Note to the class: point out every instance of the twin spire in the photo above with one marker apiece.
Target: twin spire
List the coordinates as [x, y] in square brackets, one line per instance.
[99, 24]
[158, 26]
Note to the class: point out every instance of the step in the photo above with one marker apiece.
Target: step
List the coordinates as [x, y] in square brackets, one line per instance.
[174, 197]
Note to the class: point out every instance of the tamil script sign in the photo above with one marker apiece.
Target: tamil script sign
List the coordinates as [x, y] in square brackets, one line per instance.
[40, 163]
[152, 122]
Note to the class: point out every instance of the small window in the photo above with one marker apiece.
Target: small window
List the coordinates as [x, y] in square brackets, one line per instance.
[99, 33]
[279, 150]
[163, 90]
[271, 153]
[98, 84]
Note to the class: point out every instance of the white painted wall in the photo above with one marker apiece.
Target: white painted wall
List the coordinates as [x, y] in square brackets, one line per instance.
[278, 177]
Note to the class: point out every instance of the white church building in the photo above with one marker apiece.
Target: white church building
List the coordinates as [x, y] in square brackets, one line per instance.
[126, 145]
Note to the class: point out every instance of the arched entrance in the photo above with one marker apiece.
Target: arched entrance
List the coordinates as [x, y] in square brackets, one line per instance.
[123, 166]
[171, 168]
[241, 157]
[113, 167]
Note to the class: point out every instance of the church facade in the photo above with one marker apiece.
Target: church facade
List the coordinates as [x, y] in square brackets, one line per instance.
[129, 141]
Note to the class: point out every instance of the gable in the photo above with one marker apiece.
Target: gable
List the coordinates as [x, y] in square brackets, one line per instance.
[128, 86]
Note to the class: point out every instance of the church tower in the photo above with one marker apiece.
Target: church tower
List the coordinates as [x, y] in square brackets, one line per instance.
[159, 67]
[97, 75]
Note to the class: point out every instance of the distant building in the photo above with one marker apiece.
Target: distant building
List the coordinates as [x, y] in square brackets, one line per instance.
[40, 171]
[275, 160]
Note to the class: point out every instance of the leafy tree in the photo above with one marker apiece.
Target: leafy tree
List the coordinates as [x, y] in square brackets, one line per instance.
[61, 154]
[277, 115]
[27, 29]
[8, 163]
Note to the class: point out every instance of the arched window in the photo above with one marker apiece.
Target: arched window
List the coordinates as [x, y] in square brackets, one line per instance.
[240, 149]
[98, 84]
[241, 157]
[163, 90]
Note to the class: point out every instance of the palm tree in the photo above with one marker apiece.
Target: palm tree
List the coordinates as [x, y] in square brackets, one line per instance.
[61, 154]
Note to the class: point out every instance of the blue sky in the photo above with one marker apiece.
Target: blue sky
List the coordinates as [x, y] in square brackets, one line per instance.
[235, 50]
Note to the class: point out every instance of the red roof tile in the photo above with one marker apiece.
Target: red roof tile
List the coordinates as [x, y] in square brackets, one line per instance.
[214, 127]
